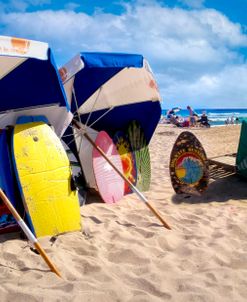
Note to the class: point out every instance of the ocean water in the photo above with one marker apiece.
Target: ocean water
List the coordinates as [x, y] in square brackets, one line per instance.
[217, 117]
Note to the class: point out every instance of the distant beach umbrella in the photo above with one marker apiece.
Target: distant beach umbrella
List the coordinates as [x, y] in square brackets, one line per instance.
[173, 110]
[176, 109]
[30, 84]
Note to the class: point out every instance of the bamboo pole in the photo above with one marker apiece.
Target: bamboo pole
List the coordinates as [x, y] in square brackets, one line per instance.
[134, 189]
[223, 155]
[28, 233]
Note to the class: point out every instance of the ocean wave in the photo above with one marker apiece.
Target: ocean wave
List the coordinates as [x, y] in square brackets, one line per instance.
[226, 114]
[217, 119]
[223, 117]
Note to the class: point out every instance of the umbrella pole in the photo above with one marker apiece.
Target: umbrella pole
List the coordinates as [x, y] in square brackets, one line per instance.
[28, 233]
[140, 195]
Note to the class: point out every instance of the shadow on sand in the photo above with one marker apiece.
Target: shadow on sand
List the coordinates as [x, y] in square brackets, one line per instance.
[221, 190]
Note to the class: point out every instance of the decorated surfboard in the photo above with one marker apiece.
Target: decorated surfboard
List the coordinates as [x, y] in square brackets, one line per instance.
[44, 177]
[188, 165]
[8, 185]
[109, 182]
[127, 157]
[142, 157]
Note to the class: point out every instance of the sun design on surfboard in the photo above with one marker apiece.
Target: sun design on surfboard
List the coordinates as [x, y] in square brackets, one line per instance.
[128, 161]
[189, 169]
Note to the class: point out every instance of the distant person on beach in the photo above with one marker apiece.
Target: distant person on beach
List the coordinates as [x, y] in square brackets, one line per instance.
[193, 116]
[237, 120]
[227, 121]
[204, 120]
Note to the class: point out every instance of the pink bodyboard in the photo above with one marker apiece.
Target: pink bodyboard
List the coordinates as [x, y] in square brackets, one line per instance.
[110, 184]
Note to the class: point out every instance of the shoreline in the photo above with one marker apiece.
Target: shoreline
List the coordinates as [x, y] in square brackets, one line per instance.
[198, 127]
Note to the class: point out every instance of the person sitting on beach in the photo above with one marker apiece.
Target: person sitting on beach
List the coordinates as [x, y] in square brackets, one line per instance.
[186, 123]
[204, 120]
[175, 121]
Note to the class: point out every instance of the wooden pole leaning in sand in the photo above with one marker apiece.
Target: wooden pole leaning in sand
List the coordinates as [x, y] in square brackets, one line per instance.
[134, 189]
[28, 233]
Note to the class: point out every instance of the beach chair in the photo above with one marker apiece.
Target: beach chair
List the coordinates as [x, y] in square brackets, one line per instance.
[222, 166]
[234, 163]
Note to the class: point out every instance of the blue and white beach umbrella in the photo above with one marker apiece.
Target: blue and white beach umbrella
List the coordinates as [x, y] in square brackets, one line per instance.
[30, 84]
[108, 90]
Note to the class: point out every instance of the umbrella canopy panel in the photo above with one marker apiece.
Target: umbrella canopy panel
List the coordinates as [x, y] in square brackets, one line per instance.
[146, 113]
[29, 81]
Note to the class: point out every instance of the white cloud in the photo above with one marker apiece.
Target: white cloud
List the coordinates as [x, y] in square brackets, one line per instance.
[193, 3]
[227, 88]
[221, 29]
[189, 51]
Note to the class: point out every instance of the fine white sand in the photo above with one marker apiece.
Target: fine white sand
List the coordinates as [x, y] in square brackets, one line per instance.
[123, 252]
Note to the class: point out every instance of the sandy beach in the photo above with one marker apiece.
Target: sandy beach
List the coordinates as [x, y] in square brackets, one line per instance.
[124, 254]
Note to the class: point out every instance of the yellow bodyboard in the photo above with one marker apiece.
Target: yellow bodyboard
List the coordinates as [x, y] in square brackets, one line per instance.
[44, 175]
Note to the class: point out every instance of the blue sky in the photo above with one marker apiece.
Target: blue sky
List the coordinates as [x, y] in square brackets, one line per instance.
[197, 48]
